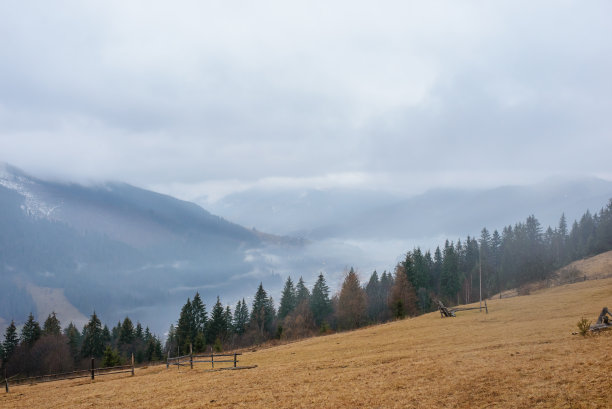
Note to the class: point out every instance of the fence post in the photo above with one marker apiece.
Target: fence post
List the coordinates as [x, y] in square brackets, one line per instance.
[132, 364]
[92, 368]
[191, 355]
[6, 381]
[234, 359]
[168, 360]
[212, 358]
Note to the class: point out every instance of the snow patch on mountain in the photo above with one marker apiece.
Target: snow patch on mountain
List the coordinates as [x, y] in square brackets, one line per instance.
[33, 205]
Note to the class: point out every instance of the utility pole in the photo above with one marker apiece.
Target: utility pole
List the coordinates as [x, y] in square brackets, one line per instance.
[480, 273]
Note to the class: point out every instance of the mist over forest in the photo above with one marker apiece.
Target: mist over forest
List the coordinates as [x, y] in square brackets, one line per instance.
[124, 251]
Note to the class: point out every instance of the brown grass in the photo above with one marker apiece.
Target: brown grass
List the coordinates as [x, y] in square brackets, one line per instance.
[599, 266]
[593, 268]
[520, 355]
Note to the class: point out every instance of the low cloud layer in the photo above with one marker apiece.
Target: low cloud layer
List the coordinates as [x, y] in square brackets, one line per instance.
[205, 98]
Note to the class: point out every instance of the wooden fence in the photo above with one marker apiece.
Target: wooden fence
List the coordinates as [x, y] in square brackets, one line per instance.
[189, 360]
[92, 372]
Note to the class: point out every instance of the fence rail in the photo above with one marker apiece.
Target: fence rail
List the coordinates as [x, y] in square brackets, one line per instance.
[92, 372]
[189, 360]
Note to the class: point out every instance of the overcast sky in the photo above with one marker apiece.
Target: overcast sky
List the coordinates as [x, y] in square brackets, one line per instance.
[202, 98]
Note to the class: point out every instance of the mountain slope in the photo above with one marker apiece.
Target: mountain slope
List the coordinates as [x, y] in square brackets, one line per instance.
[112, 247]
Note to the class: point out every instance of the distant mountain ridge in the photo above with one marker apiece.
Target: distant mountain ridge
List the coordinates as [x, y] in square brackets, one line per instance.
[118, 210]
[362, 214]
[112, 247]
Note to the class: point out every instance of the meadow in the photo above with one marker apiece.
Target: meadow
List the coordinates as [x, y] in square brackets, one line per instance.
[522, 354]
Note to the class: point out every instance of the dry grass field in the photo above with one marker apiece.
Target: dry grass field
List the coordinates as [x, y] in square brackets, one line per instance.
[597, 266]
[520, 355]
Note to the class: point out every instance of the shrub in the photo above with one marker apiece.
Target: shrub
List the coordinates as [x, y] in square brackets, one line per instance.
[570, 274]
[524, 290]
[111, 357]
[218, 347]
[325, 329]
[583, 326]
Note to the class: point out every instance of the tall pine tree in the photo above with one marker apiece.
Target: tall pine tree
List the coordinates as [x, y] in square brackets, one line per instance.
[320, 303]
[11, 340]
[288, 300]
[52, 325]
[217, 325]
[262, 312]
[31, 332]
[93, 343]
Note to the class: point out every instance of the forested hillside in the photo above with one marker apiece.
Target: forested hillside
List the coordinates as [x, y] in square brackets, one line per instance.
[521, 254]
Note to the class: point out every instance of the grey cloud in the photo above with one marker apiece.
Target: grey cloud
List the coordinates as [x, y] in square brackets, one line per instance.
[190, 92]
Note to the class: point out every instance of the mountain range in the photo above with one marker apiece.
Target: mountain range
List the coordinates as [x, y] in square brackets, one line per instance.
[356, 214]
[115, 249]
[122, 250]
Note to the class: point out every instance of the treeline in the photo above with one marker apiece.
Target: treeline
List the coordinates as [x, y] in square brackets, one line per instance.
[302, 312]
[521, 254]
[39, 351]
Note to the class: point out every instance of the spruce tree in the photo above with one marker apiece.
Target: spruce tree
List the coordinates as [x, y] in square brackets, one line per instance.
[301, 293]
[421, 270]
[147, 334]
[229, 321]
[185, 329]
[106, 335]
[52, 325]
[158, 355]
[110, 357]
[126, 335]
[11, 340]
[288, 299]
[408, 266]
[262, 312]
[449, 280]
[115, 333]
[241, 317]
[436, 275]
[374, 299]
[138, 333]
[386, 284]
[74, 340]
[93, 344]
[199, 343]
[31, 332]
[320, 303]
[200, 316]
[217, 327]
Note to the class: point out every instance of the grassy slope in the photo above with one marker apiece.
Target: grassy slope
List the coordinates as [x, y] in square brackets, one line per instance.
[597, 266]
[521, 354]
